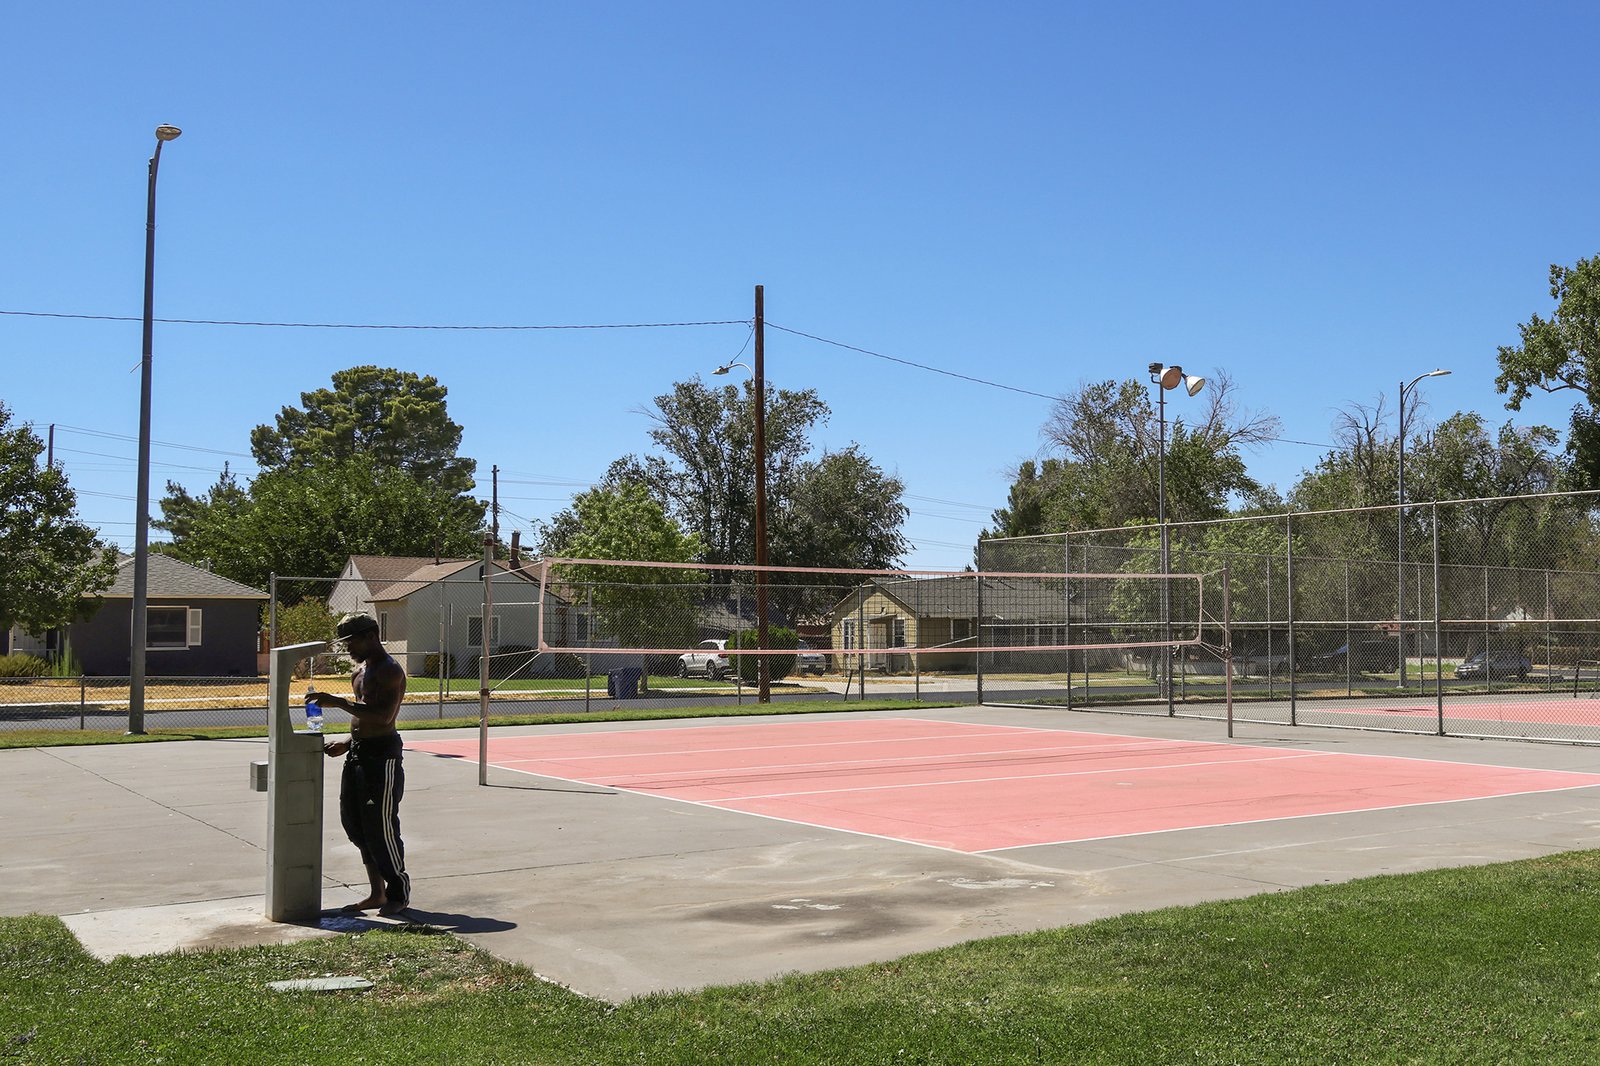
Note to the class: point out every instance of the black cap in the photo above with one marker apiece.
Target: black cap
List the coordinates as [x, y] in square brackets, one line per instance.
[351, 624]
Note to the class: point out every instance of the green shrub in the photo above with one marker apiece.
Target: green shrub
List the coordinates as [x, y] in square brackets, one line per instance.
[21, 664]
[778, 666]
[568, 667]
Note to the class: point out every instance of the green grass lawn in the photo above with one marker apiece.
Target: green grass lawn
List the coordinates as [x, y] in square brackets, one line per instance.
[1494, 964]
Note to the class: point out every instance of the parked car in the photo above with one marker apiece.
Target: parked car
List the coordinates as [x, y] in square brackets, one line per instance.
[1362, 656]
[709, 661]
[807, 660]
[1499, 664]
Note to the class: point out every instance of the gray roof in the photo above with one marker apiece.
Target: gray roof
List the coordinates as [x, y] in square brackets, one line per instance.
[171, 578]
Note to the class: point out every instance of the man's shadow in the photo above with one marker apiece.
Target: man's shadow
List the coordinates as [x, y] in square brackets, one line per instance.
[412, 920]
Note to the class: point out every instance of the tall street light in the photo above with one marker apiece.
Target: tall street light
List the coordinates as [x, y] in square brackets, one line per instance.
[141, 518]
[763, 673]
[1400, 521]
[1168, 377]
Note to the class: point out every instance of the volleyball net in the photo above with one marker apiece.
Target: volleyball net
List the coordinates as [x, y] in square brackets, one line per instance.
[885, 620]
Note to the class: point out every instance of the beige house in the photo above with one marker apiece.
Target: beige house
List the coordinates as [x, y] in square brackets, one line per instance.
[431, 608]
[937, 618]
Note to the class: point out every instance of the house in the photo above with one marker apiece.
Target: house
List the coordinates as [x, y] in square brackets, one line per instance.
[429, 608]
[939, 617]
[197, 624]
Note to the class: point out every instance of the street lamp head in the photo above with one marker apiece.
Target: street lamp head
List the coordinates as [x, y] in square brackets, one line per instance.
[1437, 373]
[168, 133]
[727, 367]
[1170, 377]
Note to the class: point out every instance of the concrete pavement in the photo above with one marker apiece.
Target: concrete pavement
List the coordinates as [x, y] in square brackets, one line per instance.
[158, 846]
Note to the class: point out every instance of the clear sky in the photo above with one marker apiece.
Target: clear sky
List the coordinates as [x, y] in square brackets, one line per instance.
[1321, 199]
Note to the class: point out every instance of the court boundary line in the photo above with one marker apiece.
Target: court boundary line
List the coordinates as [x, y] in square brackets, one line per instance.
[1291, 817]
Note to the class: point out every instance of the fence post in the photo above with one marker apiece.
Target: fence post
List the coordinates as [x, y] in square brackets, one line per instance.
[916, 659]
[1227, 647]
[1548, 614]
[1349, 682]
[81, 695]
[1438, 643]
[1288, 543]
[1271, 692]
[588, 656]
[272, 612]
[1066, 568]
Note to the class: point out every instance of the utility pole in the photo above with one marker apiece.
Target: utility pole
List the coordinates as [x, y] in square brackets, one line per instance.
[494, 526]
[763, 673]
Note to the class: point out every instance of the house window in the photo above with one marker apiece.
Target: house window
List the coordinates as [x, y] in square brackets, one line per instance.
[475, 632]
[383, 625]
[849, 632]
[960, 628]
[171, 627]
[899, 631]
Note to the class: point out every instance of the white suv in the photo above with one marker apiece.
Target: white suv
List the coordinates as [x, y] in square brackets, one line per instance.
[708, 660]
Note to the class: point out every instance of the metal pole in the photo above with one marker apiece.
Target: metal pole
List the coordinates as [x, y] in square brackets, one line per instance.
[763, 672]
[1227, 647]
[138, 627]
[1066, 595]
[1438, 644]
[438, 662]
[1400, 536]
[1288, 541]
[486, 640]
[977, 656]
[588, 656]
[1165, 676]
[1349, 681]
[272, 611]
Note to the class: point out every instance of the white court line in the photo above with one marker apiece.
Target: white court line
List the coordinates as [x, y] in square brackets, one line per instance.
[792, 745]
[818, 768]
[747, 814]
[1025, 777]
[1244, 743]
[1276, 818]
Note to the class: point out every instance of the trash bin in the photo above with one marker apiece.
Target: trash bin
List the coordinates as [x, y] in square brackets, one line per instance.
[623, 684]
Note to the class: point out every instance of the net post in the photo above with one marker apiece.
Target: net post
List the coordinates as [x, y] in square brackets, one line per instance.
[487, 638]
[977, 656]
[1288, 583]
[1438, 644]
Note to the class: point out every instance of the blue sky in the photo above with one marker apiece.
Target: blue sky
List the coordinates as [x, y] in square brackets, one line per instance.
[1319, 199]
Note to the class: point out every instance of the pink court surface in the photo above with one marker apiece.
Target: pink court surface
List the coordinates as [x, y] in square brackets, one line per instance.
[982, 788]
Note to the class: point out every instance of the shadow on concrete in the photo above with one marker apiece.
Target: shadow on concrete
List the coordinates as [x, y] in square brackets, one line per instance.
[431, 922]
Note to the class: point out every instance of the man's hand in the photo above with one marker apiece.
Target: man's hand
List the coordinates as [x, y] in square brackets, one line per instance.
[335, 748]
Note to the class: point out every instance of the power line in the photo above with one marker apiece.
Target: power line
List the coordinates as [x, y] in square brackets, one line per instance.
[368, 325]
[908, 362]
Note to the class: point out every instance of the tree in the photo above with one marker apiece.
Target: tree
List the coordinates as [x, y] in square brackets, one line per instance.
[392, 419]
[707, 470]
[639, 606]
[1563, 353]
[841, 510]
[53, 563]
[1107, 476]
[838, 509]
[307, 518]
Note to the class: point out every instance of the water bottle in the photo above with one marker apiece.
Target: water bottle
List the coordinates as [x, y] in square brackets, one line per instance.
[313, 715]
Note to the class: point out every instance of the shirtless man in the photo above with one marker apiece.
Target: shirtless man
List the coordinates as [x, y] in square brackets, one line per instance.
[374, 779]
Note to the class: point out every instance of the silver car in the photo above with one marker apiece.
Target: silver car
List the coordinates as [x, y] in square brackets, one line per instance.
[708, 660]
[809, 661]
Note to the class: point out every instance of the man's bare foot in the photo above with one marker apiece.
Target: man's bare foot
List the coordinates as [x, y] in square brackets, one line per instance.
[389, 910]
[367, 904]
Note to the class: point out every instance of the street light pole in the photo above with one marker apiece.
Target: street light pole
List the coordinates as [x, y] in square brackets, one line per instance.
[1400, 520]
[1167, 377]
[141, 518]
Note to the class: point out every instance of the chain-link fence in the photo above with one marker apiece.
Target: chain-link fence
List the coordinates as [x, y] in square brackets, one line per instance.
[1470, 618]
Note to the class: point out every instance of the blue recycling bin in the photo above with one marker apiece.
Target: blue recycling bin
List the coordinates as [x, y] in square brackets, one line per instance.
[623, 684]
